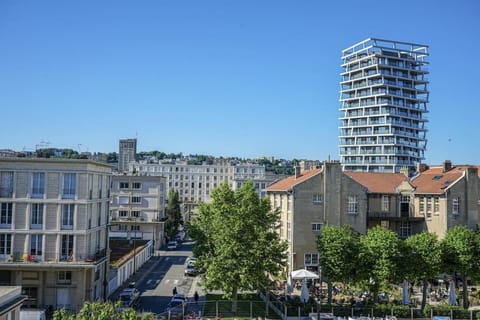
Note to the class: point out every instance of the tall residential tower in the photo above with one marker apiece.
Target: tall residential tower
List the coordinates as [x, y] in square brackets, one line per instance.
[383, 95]
[127, 152]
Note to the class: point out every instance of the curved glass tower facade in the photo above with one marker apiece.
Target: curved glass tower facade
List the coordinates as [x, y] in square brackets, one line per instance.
[383, 96]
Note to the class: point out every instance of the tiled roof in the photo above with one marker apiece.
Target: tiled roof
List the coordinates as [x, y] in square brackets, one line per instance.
[378, 182]
[434, 180]
[288, 183]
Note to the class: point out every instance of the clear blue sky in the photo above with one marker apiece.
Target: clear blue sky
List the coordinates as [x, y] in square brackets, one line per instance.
[232, 78]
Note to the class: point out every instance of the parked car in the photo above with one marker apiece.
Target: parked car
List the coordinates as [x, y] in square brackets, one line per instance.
[175, 305]
[179, 296]
[191, 270]
[172, 245]
[128, 298]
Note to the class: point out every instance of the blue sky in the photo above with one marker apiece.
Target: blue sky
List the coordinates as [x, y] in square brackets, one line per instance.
[226, 78]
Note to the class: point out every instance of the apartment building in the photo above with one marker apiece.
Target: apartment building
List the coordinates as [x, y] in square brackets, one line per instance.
[390, 199]
[11, 300]
[313, 198]
[53, 229]
[137, 209]
[383, 96]
[127, 152]
[195, 182]
[447, 196]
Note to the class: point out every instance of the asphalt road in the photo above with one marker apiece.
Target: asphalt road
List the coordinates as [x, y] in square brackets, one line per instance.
[156, 287]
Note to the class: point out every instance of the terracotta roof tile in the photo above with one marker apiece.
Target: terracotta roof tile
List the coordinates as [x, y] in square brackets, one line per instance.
[434, 180]
[378, 182]
[288, 183]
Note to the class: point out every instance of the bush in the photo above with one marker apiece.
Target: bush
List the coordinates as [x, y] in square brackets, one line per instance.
[447, 310]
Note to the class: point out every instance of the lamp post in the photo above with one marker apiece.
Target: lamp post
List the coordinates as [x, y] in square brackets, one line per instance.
[319, 304]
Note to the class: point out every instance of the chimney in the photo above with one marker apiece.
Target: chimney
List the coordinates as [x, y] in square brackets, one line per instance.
[447, 165]
[421, 167]
[298, 171]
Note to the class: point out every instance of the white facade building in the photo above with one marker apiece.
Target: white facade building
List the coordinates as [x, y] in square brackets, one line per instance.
[137, 210]
[195, 182]
[383, 95]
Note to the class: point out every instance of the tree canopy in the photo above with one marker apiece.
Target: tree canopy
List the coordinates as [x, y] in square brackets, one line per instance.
[237, 245]
[100, 311]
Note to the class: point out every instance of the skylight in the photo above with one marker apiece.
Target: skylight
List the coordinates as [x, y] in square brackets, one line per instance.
[447, 182]
[437, 177]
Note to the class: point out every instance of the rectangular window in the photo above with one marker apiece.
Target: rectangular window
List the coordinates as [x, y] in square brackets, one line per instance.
[66, 250]
[135, 228]
[352, 206]
[289, 231]
[38, 185]
[311, 259]
[64, 277]
[135, 213]
[5, 244]
[436, 205]
[136, 199]
[422, 205]
[36, 244]
[6, 213]
[100, 186]
[429, 207]
[123, 200]
[6, 184]
[385, 203]
[317, 198]
[123, 185]
[67, 216]
[316, 227]
[36, 215]
[136, 185]
[456, 206]
[123, 213]
[122, 227]
[69, 185]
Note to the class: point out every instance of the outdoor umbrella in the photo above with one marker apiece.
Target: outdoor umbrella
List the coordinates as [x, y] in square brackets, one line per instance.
[452, 299]
[304, 295]
[405, 293]
[303, 274]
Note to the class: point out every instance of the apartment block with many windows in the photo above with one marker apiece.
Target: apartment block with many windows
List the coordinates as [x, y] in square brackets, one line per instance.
[383, 95]
[53, 229]
[138, 208]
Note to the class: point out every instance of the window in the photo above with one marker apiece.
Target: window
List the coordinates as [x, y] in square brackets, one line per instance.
[352, 206]
[100, 185]
[67, 247]
[316, 227]
[123, 213]
[436, 205]
[64, 277]
[6, 184]
[36, 244]
[122, 227]
[456, 206]
[429, 207]
[123, 185]
[317, 198]
[136, 199]
[136, 185]
[135, 228]
[385, 203]
[135, 213]
[67, 216]
[422, 205]
[5, 244]
[405, 229]
[6, 213]
[311, 259]
[36, 215]
[38, 185]
[123, 200]
[69, 185]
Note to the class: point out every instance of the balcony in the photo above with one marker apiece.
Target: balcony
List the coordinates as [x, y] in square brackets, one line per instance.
[392, 216]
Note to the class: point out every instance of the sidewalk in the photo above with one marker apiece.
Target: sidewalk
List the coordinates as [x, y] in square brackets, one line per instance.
[137, 277]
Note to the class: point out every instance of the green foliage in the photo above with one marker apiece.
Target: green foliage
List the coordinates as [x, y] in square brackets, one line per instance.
[338, 248]
[100, 311]
[461, 251]
[378, 257]
[173, 213]
[236, 240]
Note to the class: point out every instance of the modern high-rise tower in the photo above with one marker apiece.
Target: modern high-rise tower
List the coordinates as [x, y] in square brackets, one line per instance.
[127, 152]
[383, 95]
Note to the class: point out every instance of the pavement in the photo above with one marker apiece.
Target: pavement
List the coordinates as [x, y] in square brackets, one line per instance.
[137, 277]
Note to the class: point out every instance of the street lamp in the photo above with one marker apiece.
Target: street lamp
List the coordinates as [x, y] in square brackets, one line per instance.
[319, 302]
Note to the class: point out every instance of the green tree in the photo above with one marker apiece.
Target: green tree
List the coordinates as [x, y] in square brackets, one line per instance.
[173, 213]
[378, 257]
[461, 253]
[423, 259]
[237, 244]
[100, 311]
[338, 248]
